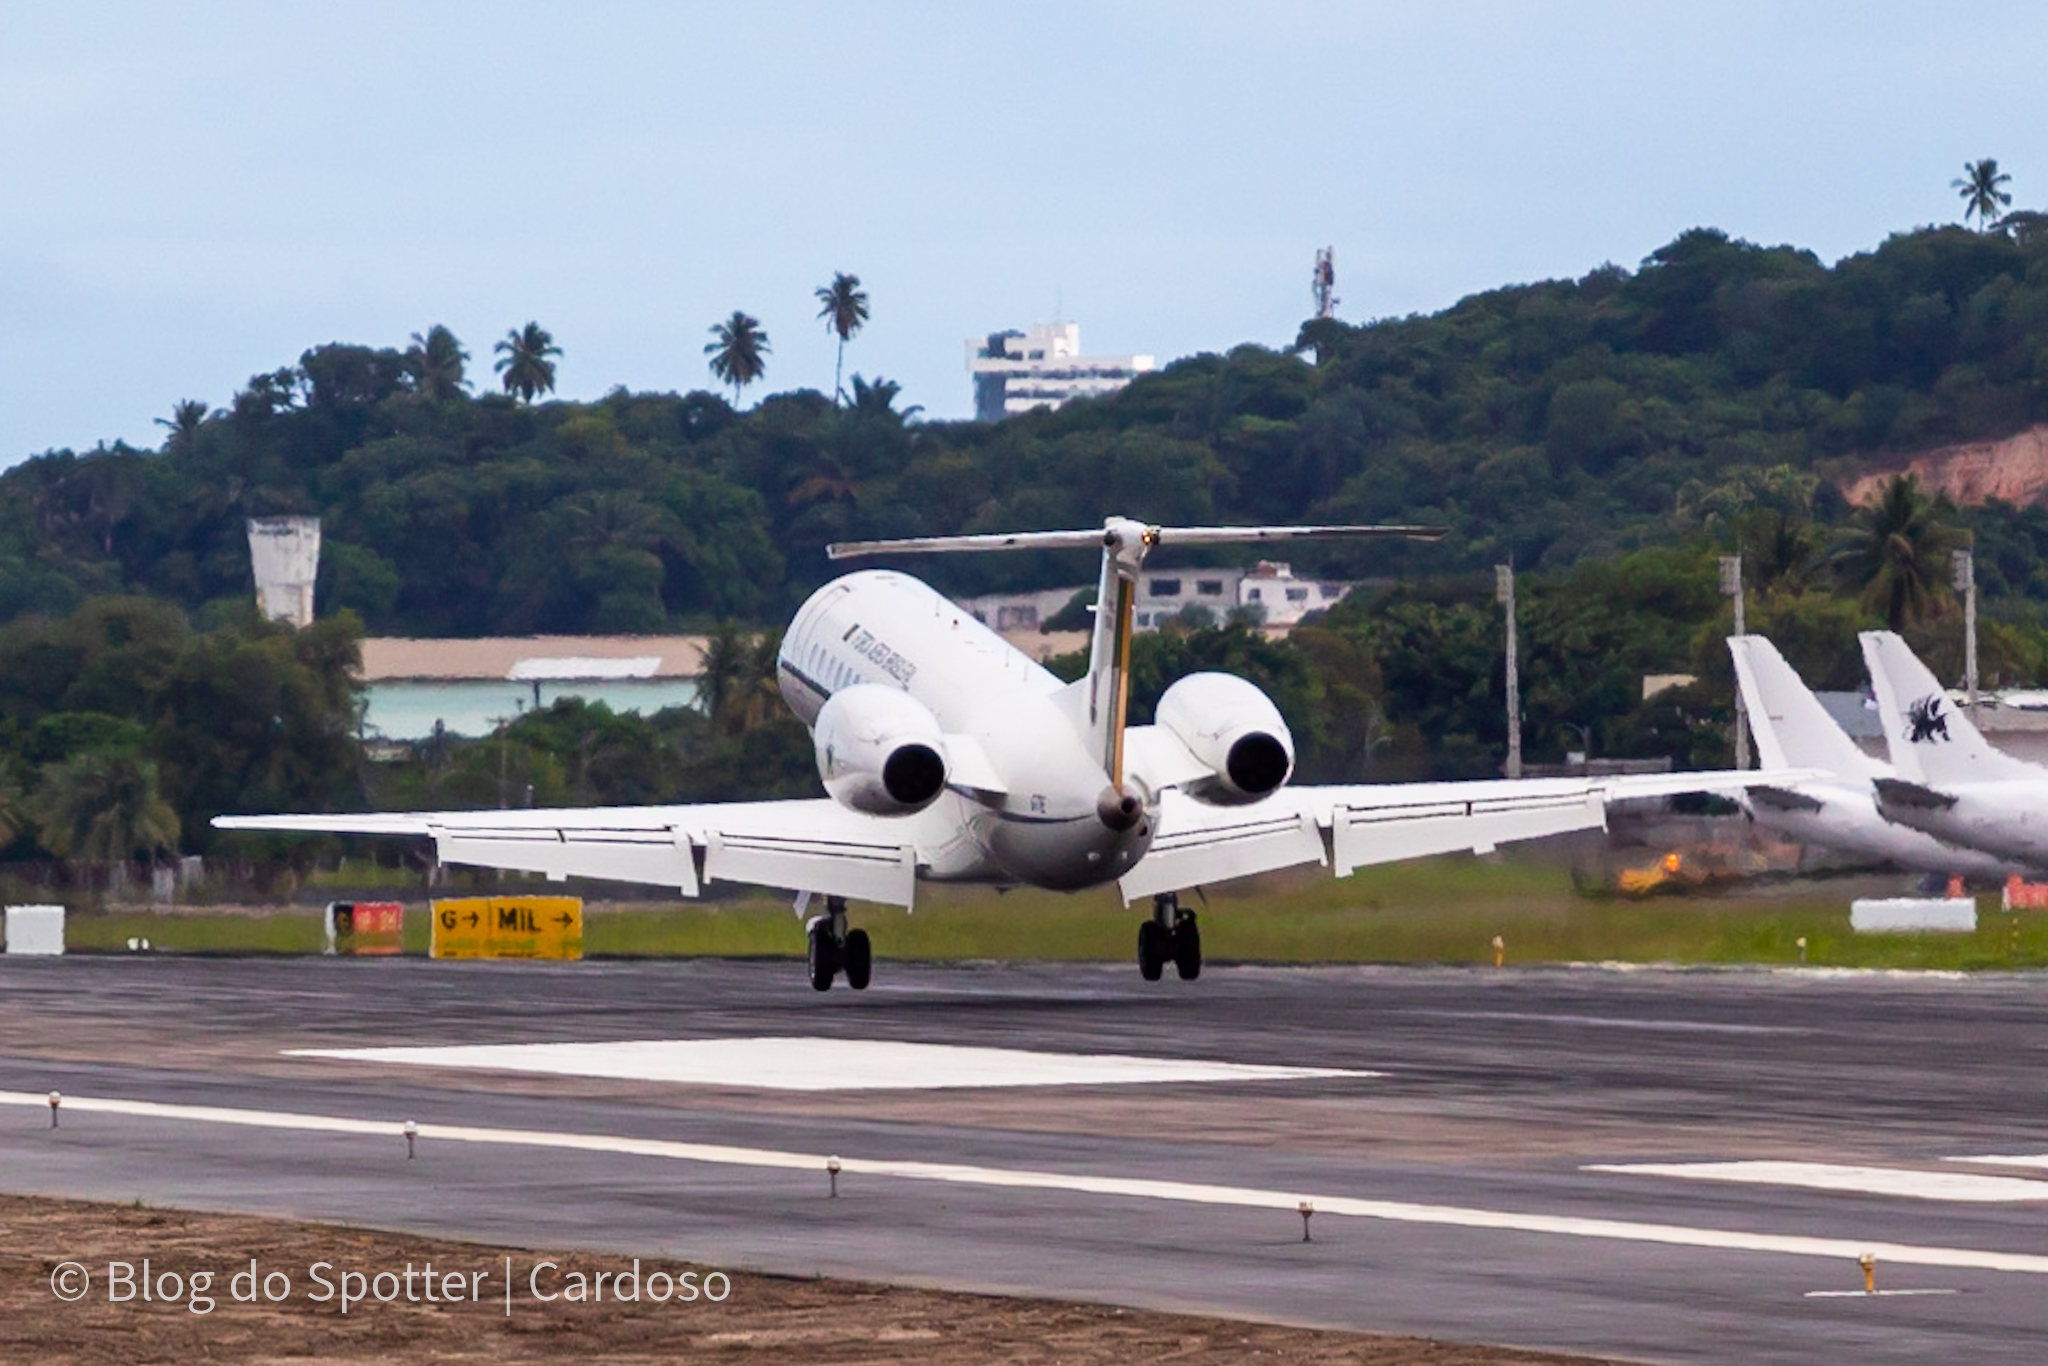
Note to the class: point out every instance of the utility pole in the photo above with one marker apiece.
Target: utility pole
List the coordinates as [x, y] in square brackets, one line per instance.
[1731, 587]
[1504, 593]
[1965, 563]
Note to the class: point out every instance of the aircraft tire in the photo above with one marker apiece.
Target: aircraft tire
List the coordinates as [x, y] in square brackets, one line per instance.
[858, 958]
[1187, 949]
[823, 958]
[1155, 946]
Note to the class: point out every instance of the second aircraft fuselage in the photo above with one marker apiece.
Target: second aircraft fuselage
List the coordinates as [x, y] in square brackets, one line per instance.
[1045, 827]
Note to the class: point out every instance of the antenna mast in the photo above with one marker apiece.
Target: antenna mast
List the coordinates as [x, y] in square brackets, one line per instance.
[1326, 282]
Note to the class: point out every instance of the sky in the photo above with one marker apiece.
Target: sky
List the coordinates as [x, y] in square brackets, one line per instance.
[196, 193]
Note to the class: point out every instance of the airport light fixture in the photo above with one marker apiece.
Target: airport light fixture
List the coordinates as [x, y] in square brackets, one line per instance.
[832, 1170]
[412, 1133]
[55, 1101]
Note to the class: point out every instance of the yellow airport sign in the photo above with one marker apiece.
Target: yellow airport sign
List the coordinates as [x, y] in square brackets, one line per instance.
[508, 927]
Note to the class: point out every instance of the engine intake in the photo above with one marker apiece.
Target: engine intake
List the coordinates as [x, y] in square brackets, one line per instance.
[880, 750]
[1234, 730]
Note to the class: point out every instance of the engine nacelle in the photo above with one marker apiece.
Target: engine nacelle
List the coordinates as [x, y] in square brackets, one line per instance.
[880, 750]
[1234, 730]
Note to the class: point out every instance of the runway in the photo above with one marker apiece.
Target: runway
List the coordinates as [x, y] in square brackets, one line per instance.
[1672, 1166]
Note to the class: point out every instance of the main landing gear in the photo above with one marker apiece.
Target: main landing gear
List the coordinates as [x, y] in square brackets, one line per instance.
[835, 949]
[1170, 936]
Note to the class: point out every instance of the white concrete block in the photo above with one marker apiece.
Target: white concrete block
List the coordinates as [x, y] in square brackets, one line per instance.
[35, 930]
[1914, 915]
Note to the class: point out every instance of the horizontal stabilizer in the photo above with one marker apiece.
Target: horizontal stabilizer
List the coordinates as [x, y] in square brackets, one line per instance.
[1899, 792]
[1155, 536]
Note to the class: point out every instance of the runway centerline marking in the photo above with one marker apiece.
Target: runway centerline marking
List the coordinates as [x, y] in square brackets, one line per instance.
[824, 1064]
[1180, 1192]
[1825, 1176]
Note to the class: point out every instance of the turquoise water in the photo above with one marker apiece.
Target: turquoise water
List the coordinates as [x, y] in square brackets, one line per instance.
[408, 710]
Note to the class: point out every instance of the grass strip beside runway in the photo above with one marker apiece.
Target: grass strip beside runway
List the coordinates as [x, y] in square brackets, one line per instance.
[1445, 910]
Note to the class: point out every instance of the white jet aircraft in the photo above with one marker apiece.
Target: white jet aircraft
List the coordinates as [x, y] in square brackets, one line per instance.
[1837, 810]
[1951, 782]
[949, 756]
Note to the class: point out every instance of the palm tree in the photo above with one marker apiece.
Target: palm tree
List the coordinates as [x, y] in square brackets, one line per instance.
[104, 808]
[183, 424]
[525, 364]
[1898, 554]
[435, 363]
[739, 355]
[879, 399]
[845, 309]
[739, 675]
[1979, 188]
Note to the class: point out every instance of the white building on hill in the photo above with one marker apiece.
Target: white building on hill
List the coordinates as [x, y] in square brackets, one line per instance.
[1042, 367]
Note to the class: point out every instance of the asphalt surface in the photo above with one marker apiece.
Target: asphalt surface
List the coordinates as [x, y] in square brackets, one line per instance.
[1496, 1089]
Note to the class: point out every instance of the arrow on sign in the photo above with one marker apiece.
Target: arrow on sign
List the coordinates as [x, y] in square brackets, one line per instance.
[472, 919]
[565, 920]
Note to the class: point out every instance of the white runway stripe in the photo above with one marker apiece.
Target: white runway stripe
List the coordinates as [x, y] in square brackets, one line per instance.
[821, 1064]
[1917, 1185]
[1175, 1191]
[2035, 1160]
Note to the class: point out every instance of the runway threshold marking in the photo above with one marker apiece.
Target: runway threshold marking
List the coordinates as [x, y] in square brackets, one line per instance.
[1394, 1211]
[782, 1063]
[1918, 1185]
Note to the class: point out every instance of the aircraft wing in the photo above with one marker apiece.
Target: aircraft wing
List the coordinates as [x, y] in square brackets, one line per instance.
[813, 845]
[1351, 827]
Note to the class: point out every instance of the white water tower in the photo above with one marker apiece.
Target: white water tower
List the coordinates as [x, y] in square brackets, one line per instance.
[285, 552]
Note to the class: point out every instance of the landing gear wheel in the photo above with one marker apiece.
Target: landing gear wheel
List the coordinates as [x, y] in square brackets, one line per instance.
[824, 956]
[857, 959]
[1155, 946]
[1187, 947]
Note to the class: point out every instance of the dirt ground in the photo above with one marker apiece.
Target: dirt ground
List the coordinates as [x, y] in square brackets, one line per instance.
[758, 1319]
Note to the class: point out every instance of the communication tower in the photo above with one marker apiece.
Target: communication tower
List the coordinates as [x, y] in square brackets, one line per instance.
[285, 553]
[1326, 283]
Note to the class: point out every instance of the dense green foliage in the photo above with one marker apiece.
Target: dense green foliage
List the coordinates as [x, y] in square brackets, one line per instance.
[123, 731]
[1544, 423]
[1610, 435]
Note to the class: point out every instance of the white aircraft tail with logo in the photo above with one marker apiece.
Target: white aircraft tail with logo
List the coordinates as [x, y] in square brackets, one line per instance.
[1932, 740]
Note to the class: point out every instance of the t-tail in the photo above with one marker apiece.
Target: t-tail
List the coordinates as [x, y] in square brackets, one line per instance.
[1932, 740]
[1101, 701]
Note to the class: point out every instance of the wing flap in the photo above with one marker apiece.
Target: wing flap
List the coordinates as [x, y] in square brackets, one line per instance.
[661, 858]
[865, 871]
[1216, 844]
[1366, 835]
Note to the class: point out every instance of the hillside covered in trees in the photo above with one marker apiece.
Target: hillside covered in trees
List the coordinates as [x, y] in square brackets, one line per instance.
[1611, 436]
[1545, 423]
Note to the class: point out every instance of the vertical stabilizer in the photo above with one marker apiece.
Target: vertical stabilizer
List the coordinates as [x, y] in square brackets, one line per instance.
[1931, 739]
[1101, 701]
[1791, 727]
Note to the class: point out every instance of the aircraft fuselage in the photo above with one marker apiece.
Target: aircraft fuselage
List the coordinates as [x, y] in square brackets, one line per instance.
[1045, 827]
